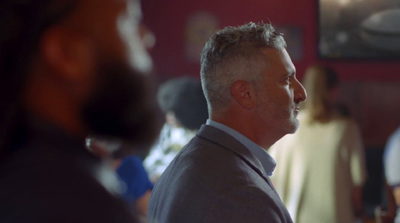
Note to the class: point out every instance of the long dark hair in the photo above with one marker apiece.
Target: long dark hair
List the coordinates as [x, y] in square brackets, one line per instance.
[319, 81]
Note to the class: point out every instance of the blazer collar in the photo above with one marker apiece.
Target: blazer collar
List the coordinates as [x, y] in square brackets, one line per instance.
[227, 141]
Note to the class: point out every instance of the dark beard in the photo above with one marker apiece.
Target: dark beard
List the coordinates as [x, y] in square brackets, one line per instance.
[123, 106]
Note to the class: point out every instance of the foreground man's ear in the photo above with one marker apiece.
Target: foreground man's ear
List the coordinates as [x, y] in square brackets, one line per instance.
[244, 94]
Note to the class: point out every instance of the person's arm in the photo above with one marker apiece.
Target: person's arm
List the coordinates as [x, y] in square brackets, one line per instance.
[396, 194]
[358, 168]
[358, 202]
[142, 203]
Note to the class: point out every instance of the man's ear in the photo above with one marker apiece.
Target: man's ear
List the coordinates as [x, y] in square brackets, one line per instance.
[67, 53]
[244, 94]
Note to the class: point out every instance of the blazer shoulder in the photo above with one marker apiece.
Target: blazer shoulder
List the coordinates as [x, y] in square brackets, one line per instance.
[248, 203]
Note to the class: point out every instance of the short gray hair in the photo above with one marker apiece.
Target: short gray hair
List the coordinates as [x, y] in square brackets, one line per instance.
[232, 54]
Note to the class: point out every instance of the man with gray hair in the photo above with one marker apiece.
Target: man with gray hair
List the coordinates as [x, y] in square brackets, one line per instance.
[253, 96]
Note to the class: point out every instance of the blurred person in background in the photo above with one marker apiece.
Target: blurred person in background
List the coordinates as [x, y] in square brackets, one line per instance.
[321, 168]
[184, 105]
[68, 69]
[391, 161]
[135, 186]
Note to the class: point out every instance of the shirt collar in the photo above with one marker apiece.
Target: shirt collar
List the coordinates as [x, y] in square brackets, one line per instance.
[266, 160]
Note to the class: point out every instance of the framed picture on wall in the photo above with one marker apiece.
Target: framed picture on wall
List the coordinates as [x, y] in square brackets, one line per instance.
[359, 29]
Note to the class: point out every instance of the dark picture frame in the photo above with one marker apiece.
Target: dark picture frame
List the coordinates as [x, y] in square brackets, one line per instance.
[358, 29]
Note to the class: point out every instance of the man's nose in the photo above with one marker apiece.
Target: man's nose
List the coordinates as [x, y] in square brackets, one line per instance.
[300, 92]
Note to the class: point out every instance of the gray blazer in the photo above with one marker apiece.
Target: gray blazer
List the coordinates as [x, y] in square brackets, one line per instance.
[214, 178]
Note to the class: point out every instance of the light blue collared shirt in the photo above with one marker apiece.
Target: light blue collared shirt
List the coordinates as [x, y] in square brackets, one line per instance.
[265, 159]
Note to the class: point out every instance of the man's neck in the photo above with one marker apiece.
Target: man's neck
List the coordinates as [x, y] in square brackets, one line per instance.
[247, 127]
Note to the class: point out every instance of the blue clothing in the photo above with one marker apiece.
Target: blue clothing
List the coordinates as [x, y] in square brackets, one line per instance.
[134, 176]
[266, 160]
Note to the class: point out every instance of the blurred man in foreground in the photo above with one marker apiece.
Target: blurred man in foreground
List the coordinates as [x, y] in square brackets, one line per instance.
[68, 68]
[253, 96]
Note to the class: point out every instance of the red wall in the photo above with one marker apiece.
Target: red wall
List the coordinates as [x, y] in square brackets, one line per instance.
[166, 18]
[370, 88]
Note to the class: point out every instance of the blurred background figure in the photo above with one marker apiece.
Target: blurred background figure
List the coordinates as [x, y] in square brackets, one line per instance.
[69, 69]
[391, 163]
[321, 168]
[136, 183]
[133, 181]
[185, 108]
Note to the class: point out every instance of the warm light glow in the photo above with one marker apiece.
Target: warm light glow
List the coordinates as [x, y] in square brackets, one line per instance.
[344, 3]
